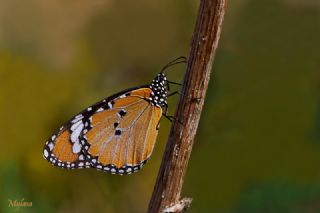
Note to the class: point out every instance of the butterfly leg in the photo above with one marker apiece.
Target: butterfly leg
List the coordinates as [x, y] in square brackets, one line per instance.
[172, 82]
[178, 92]
[169, 117]
[173, 93]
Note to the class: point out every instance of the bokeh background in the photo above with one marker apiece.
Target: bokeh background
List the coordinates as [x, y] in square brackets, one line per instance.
[258, 144]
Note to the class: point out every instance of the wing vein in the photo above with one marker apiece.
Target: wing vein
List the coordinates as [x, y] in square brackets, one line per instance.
[134, 147]
[146, 133]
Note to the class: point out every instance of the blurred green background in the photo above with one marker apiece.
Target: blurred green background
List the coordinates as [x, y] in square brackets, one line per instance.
[258, 144]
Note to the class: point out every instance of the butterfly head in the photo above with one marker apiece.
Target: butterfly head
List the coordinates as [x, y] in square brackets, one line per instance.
[159, 87]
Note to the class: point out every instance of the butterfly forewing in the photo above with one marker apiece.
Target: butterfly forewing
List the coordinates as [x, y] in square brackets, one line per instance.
[121, 139]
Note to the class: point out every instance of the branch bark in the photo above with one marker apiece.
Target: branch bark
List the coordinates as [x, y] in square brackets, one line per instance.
[174, 164]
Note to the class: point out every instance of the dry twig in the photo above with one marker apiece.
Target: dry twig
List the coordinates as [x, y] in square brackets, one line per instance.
[206, 35]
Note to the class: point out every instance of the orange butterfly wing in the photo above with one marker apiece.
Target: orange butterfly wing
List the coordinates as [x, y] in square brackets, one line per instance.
[60, 151]
[116, 134]
[121, 138]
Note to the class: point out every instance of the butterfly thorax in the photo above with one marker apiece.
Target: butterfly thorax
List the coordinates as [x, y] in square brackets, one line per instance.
[159, 90]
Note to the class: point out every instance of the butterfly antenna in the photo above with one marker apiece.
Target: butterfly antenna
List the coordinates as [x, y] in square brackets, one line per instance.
[178, 60]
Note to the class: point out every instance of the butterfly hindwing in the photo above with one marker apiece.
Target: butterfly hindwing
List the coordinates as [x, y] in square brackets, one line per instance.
[63, 149]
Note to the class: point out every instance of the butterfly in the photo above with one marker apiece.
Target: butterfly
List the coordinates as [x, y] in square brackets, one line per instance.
[117, 134]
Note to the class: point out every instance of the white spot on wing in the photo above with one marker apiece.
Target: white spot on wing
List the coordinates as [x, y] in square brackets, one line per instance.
[76, 131]
[77, 118]
[46, 154]
[75, 126]
[100, 109]
[76, 148]
[50, 145]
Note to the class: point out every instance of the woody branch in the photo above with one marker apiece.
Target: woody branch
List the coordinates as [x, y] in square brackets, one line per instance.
[167, 190]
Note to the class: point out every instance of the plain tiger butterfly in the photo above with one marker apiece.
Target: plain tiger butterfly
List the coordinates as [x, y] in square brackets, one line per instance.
[115, 135]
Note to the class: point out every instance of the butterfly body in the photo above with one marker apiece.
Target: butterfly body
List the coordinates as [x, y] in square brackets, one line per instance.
[115, 135]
